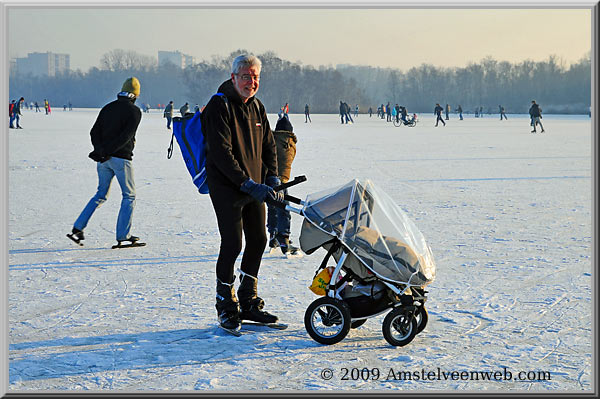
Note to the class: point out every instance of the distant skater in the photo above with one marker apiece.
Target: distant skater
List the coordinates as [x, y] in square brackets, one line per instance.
[502, 113]
[438, 112]
[459, 110]
[286, 110]
[17, 112]
[185, 108]
[404, 114]
[307, 114]
[348, 113]
[447, 112]
[536, 115]
[168, 113]
[11, 115]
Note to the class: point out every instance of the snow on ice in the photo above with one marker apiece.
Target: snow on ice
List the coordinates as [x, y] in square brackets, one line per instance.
[507, 214]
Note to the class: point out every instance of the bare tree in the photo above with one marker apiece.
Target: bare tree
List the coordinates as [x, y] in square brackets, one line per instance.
[126, 60]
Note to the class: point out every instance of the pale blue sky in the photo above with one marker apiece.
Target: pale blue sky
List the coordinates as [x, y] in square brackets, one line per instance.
[399, 38]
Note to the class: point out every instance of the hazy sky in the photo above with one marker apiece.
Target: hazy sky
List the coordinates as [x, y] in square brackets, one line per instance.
[399, 38]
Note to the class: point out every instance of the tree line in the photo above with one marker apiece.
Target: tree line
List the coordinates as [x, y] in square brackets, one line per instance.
[486, 84]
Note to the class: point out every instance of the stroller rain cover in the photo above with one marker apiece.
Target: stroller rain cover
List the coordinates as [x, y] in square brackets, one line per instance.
[382, 240]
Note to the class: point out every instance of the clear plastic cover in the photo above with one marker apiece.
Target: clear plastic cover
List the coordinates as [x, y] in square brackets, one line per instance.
[375, 229]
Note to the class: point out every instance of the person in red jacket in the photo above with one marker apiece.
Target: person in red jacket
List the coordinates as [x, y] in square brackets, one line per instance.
[11, 115]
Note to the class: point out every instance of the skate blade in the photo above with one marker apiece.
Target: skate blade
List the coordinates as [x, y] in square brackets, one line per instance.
[133, 244]
[75, 240]
[276, 326]
[272, 251]
[294, 255]
[236, 333]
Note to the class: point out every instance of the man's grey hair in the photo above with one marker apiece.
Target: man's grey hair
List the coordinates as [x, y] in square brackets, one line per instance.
[244, 61]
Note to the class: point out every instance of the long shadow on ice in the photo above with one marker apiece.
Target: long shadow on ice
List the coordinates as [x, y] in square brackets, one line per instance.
[64, 357]
[60, 358]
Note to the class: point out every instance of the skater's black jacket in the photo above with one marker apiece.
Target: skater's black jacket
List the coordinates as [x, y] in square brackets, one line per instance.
[113, 134]
[239, 141]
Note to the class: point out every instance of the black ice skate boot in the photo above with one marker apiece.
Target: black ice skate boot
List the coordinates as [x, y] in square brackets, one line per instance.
[228, 310]
[250, 304]
[273, 242]
[76, 235]
[286, 245]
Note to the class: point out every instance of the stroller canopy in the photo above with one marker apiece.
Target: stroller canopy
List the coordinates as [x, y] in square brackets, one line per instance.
[373, 227]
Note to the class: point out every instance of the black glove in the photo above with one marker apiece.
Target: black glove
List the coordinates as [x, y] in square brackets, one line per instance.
[98, 156]
[261, 192]
[272, 181]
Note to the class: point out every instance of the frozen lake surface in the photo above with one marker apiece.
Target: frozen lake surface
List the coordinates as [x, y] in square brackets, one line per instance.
[508, 215]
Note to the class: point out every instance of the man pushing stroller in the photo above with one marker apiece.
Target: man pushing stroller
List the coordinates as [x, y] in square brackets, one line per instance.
[241, 166]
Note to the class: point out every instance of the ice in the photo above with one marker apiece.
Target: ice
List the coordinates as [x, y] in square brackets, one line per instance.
[507, 214]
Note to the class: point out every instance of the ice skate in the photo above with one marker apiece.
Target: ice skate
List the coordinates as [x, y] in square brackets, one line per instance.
[287, 248]
[132, 240]
[77, 236]
[253, 311]
[230, 322]
[251, 306]
[273, 244]
[228, 311]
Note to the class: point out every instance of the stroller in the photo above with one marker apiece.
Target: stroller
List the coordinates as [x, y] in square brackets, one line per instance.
[383, 263]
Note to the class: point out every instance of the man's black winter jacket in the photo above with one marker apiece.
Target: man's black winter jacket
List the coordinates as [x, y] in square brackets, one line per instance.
[535, 111]
[239, 141]
[113, 134]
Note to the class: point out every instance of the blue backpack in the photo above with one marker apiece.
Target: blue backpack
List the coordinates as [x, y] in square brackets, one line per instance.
[188, 132]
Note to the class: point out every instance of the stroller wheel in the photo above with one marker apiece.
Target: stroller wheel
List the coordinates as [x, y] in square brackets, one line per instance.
[399, 327]
[422, 316]
[327, 320]
[357, 323]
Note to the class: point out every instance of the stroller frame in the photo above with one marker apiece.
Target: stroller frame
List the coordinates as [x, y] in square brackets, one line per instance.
[407, 315]
[329, 318]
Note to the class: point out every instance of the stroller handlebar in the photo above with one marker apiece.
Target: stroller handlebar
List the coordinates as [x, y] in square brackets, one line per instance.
[297, 180]
[287, 197]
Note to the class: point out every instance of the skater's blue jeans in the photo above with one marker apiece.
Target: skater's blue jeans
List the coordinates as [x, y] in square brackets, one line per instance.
[278, 220]
[123, 170]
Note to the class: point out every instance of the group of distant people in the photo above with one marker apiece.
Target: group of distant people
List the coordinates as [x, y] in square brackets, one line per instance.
[535, 113]
[16, 106]
[393, 113]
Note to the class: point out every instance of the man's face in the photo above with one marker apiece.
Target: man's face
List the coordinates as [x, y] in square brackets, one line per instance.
[246, 82]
